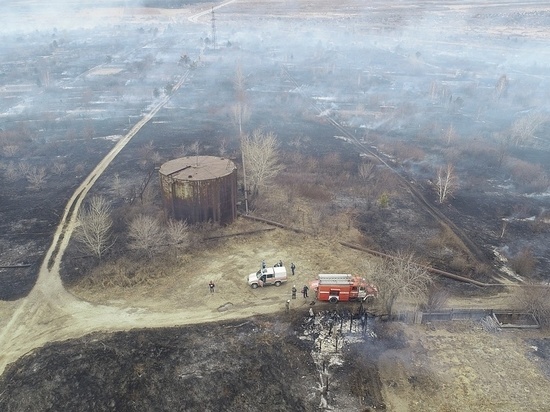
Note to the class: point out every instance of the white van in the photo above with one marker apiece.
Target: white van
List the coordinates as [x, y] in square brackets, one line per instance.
[268, 276]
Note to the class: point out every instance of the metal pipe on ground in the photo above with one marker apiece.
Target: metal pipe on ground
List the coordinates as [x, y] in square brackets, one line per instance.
[376, 253]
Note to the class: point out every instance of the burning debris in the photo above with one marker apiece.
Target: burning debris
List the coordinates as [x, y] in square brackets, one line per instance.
[332, 332]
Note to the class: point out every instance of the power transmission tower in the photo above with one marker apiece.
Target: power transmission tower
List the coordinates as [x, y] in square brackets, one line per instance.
[214, 45]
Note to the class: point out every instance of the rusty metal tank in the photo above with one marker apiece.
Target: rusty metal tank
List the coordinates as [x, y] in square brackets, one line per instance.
[200, 189]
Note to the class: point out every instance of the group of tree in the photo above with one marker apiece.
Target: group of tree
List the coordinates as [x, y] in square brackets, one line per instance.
[146, 235]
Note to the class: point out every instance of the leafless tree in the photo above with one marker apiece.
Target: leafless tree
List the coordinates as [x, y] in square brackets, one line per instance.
[148, 156]
[195, 148]
[300, 142]
[58, 166]
[36, 176]
[24, 167]
[177, 234]
[239, 84]
[94, 227]
[401, 279]
[366, 170]
[437, 297]
[534, 298]
[10, 150]
[240, 114]
[116, 184]
[524, 262]
[181, 151]
[523, 129]
[445, 183]
[260, 155]
[145, 235]
[222, 150]
[501, 86]
[450, 134]
[11, 172]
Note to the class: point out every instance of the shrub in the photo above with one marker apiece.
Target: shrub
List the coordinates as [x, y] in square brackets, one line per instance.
[523, 263]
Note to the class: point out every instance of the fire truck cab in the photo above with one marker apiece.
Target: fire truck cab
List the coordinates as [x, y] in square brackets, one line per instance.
[342, 288]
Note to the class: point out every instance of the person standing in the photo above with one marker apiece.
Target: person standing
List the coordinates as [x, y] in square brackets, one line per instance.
[293, 268]
[294, 292]
[304, 291]
[211, 286]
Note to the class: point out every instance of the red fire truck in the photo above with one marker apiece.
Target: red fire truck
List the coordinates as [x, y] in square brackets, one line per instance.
[342, 288]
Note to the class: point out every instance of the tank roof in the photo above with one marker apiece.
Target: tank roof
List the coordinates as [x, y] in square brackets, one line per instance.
[197, 168]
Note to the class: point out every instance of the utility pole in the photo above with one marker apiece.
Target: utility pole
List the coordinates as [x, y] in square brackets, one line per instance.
[214, 45]
[244, 178]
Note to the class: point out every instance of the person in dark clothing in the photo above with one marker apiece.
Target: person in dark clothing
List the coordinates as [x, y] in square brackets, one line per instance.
[304, 291]
[211, 286]
[294, 292]
[293, 268]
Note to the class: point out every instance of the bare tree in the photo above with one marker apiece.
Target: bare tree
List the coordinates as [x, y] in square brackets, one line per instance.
[534, 298]
[366, 170]
[177, 234]
[116, 184]
[450, 135]
[36, 176]
[501, 86]
[94, 227]
[445, 183]
[181, 151]
[148, 156]
[260, 156]
[222, 150]
[10, 150]
[195, 148]
[24, 167]
[523, 129]
[240, 111]
[240, 114]
[401, 279]
[58, 166]
[11, 172]
[239, 82]
[300, 142]
[145, 235]
[524, 262]
[437, 297]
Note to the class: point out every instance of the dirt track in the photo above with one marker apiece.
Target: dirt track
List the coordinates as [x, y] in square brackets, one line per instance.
[45, 314]
[51, 313]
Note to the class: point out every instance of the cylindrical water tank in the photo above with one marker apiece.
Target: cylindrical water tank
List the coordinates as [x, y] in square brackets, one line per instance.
[200, 189]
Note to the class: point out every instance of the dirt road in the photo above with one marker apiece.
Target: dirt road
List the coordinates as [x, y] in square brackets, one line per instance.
[51, 313]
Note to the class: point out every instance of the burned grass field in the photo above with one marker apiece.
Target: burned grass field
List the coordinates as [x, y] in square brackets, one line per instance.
[263, 363]
[375, 111]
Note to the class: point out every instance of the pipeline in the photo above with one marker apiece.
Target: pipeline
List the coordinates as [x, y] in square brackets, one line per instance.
[377, 253]
[428, 268]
